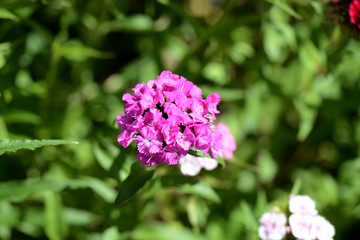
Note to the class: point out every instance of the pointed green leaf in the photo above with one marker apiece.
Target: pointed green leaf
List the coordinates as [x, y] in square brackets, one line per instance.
[133, 183]
[6, 14]
[284, 6]
[308, 116]
[10, 145]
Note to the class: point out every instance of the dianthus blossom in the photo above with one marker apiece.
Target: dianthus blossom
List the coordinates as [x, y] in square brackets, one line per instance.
[354, 12]
[302, 204]
[168, 116]
[228, 141]
[191, 165]
[304, 221]
[273, 226]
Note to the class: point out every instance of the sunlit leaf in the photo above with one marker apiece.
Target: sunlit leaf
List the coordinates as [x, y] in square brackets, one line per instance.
[6, 14]
[9, 145]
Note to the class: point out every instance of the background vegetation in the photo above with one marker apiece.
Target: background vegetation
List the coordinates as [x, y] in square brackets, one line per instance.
[288, 75]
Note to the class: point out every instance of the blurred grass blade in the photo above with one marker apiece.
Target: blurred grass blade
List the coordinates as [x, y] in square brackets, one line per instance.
[201, 189]
[10, 145]
[101, 188]
[55, 225]
[164, 232]
[296, 188]
[308, 116]
[134, 182]
[74, 50]
[20, 190]
[6, 14]
[284, 6]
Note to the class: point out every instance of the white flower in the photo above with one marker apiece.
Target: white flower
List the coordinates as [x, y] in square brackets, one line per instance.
[272, 226]
[303, 226]
[302, 205]
[191, 165]
[207, 163]
[324, 229]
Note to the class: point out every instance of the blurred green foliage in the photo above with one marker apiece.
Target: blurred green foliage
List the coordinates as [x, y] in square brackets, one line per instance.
[289, 82]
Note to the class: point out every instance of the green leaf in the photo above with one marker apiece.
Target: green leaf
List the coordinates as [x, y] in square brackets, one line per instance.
[101, 188]
[133, 183]
[55, 225]
[78, 217]
[201, 189]
[19, 190]
[284, 6]
[197, 212]
[74, 50]
[160, 231]
[6, 14]
[267, 167]
[10, 145]
[111, 233]
[296, 188]
[3, 129]
[21, 116]
[307, 119]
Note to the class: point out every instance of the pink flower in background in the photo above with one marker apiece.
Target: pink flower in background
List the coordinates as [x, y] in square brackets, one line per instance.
[273, 226]
[192, 165]
[354, 12]
[166, 117]
[228, 141]
[302, 205]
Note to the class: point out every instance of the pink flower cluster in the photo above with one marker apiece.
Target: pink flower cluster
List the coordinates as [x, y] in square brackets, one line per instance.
[168, 116]
[304, 221]
[354, 12]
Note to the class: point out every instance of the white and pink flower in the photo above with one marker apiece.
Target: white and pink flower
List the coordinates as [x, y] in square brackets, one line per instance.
[273, 226]
[191, 165]
[302, 204]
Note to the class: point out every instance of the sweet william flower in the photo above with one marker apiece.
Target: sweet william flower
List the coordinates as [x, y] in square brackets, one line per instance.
[354, 12]
[305, 223]
[228, 141]
[273, 226]
[149, 140]
[166, 117]
[323, 229]
[302, 226]
[302, 204]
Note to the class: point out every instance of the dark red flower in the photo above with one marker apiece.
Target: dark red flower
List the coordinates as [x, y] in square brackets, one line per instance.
[354, 12]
